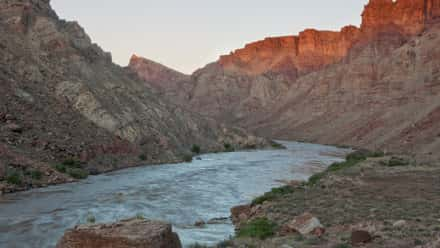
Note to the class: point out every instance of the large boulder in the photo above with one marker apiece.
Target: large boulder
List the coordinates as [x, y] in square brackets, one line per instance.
[132, 233]
[305, 224]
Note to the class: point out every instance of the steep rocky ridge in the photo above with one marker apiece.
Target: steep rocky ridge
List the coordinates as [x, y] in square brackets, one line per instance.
[168, 83]
[374, 86]
[63, 99]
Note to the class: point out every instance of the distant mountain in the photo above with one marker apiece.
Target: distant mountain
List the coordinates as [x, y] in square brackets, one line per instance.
[376, 86]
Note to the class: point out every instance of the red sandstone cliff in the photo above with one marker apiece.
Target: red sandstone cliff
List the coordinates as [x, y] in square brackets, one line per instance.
[313, 49]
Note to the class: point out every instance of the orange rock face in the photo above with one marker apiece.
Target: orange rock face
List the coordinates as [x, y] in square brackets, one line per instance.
[313, 49]
[309, 50]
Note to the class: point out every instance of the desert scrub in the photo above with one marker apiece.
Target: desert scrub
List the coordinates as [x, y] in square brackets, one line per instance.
[261, 228]
[140, 216]
[274, 193]
[351, 160]
[142, 157]
[342, 246]
[14, 177]
[77, 173]
[35, 174]
[195, 149]
[395, 162]
[90, 218]
[228, 147]
[187, 158]
[73, 168]
[277, 145]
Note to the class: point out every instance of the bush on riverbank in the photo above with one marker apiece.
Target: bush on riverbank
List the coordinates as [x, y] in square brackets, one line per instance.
[351, 160]
[228, 147]
[187, 158]
[72, 168]
[14, 177]
[395, 162]
[195, 149]
[274, 193]
[277, 145]
[260, 228]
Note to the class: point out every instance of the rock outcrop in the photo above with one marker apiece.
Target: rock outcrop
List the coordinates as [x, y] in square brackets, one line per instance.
[63, 99]
[132, 233]
[367, 83]
[165, 81]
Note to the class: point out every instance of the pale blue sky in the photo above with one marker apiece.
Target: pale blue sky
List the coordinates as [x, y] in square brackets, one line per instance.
[187, 34]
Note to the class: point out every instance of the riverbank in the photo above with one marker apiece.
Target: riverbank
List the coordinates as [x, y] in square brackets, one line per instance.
[390, 201]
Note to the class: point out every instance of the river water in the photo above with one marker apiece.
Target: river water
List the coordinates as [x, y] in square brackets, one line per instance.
[179, 193]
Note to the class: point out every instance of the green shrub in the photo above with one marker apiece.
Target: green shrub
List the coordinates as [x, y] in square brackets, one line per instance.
[377, 154]
[274, 193]
[143, 157]
[73, 168]
[36, 174]
[260, 228]
[195, 149]
[90, 218]
[72, 163]
[395, 161]
[351, 160]
[77, 173]
[13, 177]
[60, 168]
[313, 180]
[358, 155]
[277, 145]
[342, 246]
[140, 216]
[228, 147]
[187, 158]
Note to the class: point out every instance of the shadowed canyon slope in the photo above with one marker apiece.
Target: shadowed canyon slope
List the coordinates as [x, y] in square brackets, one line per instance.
[376, 86]
[63, 98]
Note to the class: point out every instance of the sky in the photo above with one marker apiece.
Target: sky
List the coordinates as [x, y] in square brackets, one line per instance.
[187, 34]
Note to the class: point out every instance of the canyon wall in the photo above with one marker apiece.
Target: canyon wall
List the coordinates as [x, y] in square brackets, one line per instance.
[374, 86]
[62, 99]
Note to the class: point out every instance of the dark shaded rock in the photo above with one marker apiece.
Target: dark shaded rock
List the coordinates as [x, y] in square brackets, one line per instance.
[360, 237]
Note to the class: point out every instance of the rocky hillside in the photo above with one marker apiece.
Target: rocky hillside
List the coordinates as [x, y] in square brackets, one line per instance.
[375, 86]
[65, 103]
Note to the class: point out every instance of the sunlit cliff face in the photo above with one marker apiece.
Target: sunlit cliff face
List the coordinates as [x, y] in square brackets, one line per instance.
[312, 49]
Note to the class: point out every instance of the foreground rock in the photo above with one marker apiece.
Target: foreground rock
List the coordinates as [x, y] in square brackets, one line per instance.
[305, 224]
[134, 233]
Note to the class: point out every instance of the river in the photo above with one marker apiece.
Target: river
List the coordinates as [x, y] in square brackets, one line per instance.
[179, 193]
